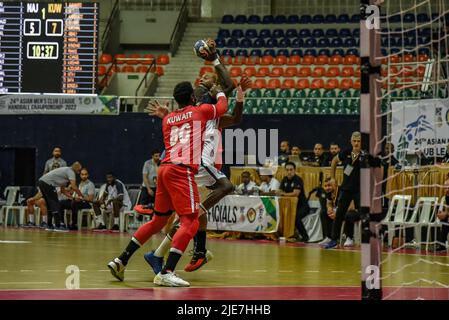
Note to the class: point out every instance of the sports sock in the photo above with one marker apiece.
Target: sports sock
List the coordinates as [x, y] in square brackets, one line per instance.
[164, 247]
[115, 221]
[31, 218]
[99, 220]
[44, 219]
[200, 241]
[172, 261]
[132, 247]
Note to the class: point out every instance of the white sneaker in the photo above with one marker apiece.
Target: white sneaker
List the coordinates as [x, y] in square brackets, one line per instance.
[348, 242]
[117, 269]
[170, 279]
[324, 241]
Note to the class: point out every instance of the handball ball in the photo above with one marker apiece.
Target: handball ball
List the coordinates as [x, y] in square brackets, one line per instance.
[201, 48]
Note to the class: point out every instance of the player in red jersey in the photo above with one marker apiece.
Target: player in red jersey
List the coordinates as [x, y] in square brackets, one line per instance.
[176, 190]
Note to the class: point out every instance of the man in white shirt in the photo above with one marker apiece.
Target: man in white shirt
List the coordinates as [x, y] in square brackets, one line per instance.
[269, 184]
[149, 177]
[247, 187]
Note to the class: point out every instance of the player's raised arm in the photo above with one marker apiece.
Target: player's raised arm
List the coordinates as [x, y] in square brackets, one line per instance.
[229, 120]
[215, 111]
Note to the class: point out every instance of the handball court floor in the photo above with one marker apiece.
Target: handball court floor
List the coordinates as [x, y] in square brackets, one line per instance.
[33, 265]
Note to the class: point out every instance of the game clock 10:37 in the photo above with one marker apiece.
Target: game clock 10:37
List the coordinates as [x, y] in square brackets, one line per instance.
[42, 50]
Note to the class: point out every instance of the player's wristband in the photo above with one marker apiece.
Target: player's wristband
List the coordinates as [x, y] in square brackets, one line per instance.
[221, 94]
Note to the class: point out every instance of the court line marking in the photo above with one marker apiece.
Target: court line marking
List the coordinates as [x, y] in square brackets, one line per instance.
[338, 271]
[285, 271]
[260, 271]
[14, 241]
[26, 270]
[231, 270]
[314, 271]
[3, 270]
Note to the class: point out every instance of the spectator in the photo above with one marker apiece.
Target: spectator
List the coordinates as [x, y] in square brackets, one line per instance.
[87, 188]
[334, 149]
[328, 201]
[247, 187]
[149, 174]
[114, 197]
[284, 152]
[269, 184]
[443, 216]
[296, 151]
[422, 159]
[318, 155]
[293, 186]
[295, 156]
[56, 161]
[38, 201]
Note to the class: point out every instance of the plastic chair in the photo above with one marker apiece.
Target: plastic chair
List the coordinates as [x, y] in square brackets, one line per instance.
[134, 195]
[274, 84]
[290, 72]
[105, 58]
[276, 72]
[280, 60]
[266, 60]
[148, 57]
[119, 58]
[293, 60]
[11, 193]
[253, 19]
[293, 19]
[227, 19]
[240, 19]
[396, 215]
[250, 71]
[424, 215]
[263, 72]
[307, 60]
[321, 60]
[302, 84]
[304, 72]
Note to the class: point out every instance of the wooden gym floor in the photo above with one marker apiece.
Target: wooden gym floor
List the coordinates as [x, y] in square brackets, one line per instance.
[34, 262]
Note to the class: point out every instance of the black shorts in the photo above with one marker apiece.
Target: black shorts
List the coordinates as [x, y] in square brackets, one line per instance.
[50, 195]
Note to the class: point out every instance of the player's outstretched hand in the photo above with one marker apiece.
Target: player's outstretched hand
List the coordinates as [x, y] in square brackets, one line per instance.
[154, 108]
[245, 83]
[216, 89]
[211, 53]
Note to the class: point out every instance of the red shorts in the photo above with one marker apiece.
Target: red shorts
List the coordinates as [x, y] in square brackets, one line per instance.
[176, 190]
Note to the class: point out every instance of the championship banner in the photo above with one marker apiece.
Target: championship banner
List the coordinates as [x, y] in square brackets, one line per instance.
[420, 124]
[244, 214]
[61, 104]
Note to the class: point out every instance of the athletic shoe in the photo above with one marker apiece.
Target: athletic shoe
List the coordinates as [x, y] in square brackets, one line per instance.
[440, 248]
[331, 245]
[198, 260]
[73, 227]
[156, 263]
[43, 225]
[170, 279]
[50, 228]
[101, 227]
[29, 225]
[324, 241]
[349, 242]
[61, 229]
[117, 269]
[115, 227]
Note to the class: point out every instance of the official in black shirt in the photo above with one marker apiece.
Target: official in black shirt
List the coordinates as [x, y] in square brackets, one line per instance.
[293, 186]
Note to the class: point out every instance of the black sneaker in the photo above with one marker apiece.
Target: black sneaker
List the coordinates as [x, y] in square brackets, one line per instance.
[61, 228]
[101, 227]
[43, 225]
[115, 227]
[73, 227]
[50, 228]
[29, 225]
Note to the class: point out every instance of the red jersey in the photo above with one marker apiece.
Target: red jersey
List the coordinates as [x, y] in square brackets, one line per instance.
[183, 132]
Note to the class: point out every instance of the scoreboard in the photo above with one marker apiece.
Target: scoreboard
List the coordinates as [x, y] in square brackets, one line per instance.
[48, 47]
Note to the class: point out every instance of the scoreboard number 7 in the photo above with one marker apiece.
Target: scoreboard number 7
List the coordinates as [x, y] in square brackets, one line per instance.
[53, 27]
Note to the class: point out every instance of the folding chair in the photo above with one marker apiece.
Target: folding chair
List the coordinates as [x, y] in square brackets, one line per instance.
[423, 215]
[396, 215]
[11, 193]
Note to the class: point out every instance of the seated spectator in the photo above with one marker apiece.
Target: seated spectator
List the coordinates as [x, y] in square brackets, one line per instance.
[87, 188]
[293, 186]
[296, 151]
[247, 187]
[295, 156]
[284, 152]
[318, 155]
[56, 161]
[149, 174]
[351, 216]
[443, 216]
[334, 149]
[269, 184]
[113, 198]
[65, 196]
[38, 201]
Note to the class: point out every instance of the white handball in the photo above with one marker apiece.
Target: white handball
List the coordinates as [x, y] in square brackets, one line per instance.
[201, 49]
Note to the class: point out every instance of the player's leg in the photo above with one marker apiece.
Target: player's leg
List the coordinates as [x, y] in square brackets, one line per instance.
[30, 212]
[342, 207]
[99, 221]
[117, 205]
[43, 211]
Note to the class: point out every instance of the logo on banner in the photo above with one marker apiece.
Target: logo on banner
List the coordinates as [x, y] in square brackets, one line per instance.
[439, 117]
[410, 133]
[251, 215]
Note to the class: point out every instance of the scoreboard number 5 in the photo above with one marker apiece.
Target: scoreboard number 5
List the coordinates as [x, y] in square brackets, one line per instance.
[53, 27]
[32, 27]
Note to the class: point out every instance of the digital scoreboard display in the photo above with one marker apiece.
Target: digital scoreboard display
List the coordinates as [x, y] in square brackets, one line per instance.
[48, 47]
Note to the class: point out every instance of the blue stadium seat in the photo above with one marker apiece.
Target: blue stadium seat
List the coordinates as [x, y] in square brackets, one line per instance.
[251, 33]
[356, 33]
[310, 43]
[268, 19]
[394, 50]
[350, 42]
[256, 53]
[410, 42]
[298, 43]
[338, 52]
[283, 52]
[277, 33]
[280, 19]
[241, 52]
[305, 19]
[232, 43]
[323, 43]
[224, 33]
[265, 33]
[343, 18]
[259, 43]
[336, 43]
[424, 51]
[245, 43]
[384, 52]
[221, 43]
[331, 33]
[310, 52]
[240, 19]
[284, 43]
[409, 17]
[394, 18]
[345, 33]
[293, 19]
[318, 33]
[305, 33]
[318, 18]
[237, 33]
[269, 52]
[291, 33]
[397, 43]
[355, 18]
[424, 40]
[424, 32]
[297, 52]
[272, 43]
[227, 52]
[324, 52]
[254, 19]
[330, 18]
[227, 19]
[423, 17]
[354, 52]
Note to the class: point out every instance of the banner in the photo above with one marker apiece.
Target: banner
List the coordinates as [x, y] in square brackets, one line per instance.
[58, 104]
[244, 214]
[420, 124]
